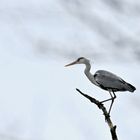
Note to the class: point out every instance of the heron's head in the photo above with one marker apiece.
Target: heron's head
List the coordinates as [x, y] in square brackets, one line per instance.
[80, 60]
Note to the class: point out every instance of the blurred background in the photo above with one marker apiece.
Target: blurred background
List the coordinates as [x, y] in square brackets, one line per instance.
[38, 100]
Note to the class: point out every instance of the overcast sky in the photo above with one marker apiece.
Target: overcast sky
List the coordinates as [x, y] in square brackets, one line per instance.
[38, 100]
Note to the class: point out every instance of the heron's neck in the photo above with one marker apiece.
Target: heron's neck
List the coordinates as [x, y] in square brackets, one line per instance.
[88, 73]
[87, 69]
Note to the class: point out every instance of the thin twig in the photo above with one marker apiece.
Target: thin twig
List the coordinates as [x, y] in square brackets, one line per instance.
[107, 117]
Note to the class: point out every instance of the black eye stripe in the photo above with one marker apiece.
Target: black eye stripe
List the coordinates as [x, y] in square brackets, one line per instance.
[80, 58]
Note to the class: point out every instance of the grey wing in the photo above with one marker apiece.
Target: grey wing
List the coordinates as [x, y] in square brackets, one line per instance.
[107, 80]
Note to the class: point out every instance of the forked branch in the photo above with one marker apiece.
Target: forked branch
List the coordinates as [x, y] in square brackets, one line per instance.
[107, 117]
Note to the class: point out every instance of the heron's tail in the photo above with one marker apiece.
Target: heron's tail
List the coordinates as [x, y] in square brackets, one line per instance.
[130, 87]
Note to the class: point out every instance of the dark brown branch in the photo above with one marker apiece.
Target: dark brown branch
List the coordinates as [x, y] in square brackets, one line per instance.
[107, 117]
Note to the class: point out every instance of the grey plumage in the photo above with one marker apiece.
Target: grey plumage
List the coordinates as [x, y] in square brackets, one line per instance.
[105, 80]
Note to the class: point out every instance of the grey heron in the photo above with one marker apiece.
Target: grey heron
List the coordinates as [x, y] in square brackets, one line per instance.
[105, 80]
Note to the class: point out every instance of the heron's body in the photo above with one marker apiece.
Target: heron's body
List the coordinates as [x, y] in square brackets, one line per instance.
[105, 80]
[109, 81]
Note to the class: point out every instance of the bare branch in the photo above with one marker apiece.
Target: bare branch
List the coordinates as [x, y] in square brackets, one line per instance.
[107, 117]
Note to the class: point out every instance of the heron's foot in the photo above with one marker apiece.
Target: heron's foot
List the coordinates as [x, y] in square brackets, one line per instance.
[108, 115]
[100, 104]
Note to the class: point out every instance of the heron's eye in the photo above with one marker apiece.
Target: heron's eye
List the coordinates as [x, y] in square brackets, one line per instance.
[80, 58]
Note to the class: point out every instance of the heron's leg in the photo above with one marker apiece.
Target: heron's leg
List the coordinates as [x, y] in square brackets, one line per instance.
[107, 99]
[113, 98]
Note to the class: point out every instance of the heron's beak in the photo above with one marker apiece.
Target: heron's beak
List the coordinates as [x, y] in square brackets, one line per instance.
[71, 64]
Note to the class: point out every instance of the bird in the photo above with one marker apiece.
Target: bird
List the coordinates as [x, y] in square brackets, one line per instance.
[105, 80]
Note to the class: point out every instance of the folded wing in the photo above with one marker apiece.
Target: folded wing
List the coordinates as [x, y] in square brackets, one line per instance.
[109, 81]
